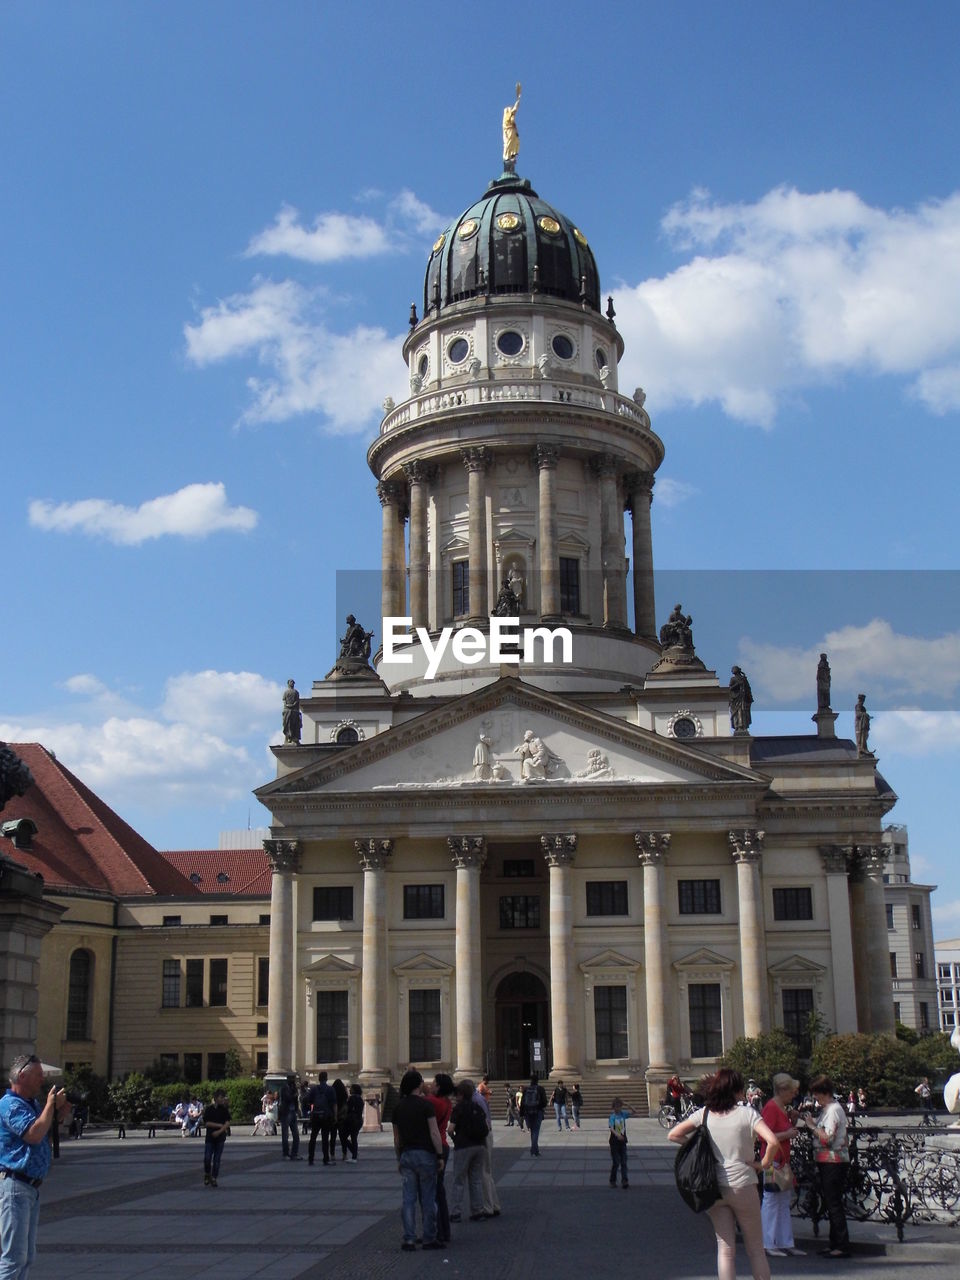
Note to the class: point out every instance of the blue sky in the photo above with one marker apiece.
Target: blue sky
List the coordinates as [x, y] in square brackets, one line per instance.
[214, 219]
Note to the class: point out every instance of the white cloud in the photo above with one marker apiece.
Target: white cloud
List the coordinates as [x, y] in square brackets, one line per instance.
[793, 291]
[85, 686]
[869, 658]
[341, 377]
[410, 208]
[671, 493]
[912, 731]
[946, 920]
[194, 511]
[228, 703]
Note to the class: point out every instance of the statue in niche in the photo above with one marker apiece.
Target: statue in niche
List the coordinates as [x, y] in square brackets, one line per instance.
[598, 766]
[677, 631]
[485, 768]
[511, 138]
[741, 700]
[516, 583]
[537, 761]
[861, 725]
[356, 643]
[507, 606]
[292, 718]
[823, 684]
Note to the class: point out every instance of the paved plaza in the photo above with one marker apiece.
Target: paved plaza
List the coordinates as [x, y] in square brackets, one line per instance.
[115, 1210]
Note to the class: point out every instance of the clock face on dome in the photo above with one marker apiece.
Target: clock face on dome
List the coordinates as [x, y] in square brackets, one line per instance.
[468, 228]
[439, 243]
[508, 221]
[550, 225]
[580, 237]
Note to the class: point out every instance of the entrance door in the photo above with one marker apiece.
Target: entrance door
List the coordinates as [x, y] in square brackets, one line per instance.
[522, 1016]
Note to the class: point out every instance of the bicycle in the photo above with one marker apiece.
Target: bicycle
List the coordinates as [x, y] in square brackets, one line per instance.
[667, 1115]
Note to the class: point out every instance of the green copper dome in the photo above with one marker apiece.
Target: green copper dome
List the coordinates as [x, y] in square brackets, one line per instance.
[510, 241]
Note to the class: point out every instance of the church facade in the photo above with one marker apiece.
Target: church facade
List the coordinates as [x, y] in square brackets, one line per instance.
[557, 855]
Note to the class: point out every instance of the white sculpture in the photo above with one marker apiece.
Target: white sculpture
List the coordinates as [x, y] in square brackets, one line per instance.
[605, 375]
[951, 1090]
[545, 365]
[537, 761]
[485, 768]
[389, 404]
[474, 366]
[416, 383]
[640, 397]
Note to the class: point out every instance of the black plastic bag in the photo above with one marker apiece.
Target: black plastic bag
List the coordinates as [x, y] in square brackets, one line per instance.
[695, 1170]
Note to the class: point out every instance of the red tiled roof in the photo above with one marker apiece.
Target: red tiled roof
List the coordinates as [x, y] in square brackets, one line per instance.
[247, 871]
[80, 842]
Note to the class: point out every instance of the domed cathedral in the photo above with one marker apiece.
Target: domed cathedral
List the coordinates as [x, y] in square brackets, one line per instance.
[525, 828]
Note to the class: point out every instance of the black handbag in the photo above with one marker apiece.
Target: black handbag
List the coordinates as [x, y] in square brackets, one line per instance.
[695, 1170]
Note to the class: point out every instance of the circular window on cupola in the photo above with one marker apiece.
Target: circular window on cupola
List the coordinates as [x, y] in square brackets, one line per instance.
[510, 343]
[458, 350]
[423, 364]
[563, 347]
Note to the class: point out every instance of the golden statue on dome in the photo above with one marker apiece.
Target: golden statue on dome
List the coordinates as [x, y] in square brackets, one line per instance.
[511, 139]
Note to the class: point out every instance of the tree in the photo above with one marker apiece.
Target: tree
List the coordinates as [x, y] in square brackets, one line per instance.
[131, 1099]
[761, 1057]
[881, 1064]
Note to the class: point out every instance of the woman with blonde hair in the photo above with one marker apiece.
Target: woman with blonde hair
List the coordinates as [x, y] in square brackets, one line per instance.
[778, 1181]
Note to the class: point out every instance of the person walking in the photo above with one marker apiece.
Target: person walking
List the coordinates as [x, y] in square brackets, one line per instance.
[416, 1140]
[352, 1122]
[340, 1090]
[559, 1103]
[833, 1161]
[216, 1127]
[619, 1114]
[511, 1119]
[576, 1102]
[25, 1155]
[518, 1099]
[925, 1094]
[491, 1198]
[468, 1123]
[323, 1119]
[288, 1110]
[733, 1129]
[780, 1115]
[534, 1105]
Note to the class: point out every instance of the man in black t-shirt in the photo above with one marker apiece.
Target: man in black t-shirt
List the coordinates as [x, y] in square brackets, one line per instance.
[323, 1119]
[216, 1122]
[416, 1140]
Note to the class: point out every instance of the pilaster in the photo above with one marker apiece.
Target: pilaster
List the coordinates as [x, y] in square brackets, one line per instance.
[468, 854]
[560, 851]
[652, 850]
[284, 856]
[374, 856]
[746, 848]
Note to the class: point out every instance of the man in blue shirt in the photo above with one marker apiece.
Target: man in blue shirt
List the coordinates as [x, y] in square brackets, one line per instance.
[24, 1161]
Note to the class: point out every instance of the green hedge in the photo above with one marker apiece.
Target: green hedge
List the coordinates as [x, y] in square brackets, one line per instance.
[135, 1099]
[887, 1067]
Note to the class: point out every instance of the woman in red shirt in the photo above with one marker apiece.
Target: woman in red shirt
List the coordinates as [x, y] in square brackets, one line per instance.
[440, 1095]
[778, 1183]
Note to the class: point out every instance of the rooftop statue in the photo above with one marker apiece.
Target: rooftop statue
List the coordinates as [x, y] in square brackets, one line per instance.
[356, 643]
[861, 725]
[511, 139]
[741, 700]
[292, 718]
[823, 684]
[676, 632]
[15, 777]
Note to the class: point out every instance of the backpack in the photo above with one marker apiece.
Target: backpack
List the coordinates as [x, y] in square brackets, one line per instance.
[531, 1098]
[695, 1170]
[475, 1126]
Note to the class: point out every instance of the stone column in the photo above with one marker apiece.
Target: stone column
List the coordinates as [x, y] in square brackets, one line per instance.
[393, 587]
[834, 860]
[746, 848]
[640, 497]
[874, 925]
[652, 849]
[469, 854]
[547, 456]
[613, 560]
[861, 947]
[476, 460]
[419, 475]
[284, 858]
[560, 851]
[374, 855]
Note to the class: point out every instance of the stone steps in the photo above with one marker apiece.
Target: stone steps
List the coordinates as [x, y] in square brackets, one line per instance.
[597, 1094]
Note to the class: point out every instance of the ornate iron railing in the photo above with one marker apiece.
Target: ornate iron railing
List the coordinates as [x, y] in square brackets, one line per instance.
[896, 1176]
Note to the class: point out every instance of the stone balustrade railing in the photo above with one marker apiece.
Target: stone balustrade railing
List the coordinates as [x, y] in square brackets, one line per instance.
[545, 392]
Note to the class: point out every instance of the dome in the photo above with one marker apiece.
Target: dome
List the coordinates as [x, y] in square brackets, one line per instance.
[510, 241]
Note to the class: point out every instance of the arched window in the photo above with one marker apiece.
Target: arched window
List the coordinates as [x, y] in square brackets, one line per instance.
[79, 1001]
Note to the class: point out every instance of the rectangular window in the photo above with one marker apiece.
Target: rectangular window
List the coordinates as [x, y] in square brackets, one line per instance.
[915, 915]
[893, 964]
[333, 903]
[192, 1067]
[261, 1062]
[948, 1017]
[797, 1007]
[519, 869]
[610, 1021]
[425, 1025]
[896, 1011]
[924, 1016]
[171, 921]
[889, 907]
[606, 897]
[919, 964]
[218, 983]
[706, 1027]
[171, 984]
[264, 917]
[520, 911]
[194, 998]
[569, 585]
[262, 1030]
[943, 971]
[219, 920]
[216, 1066]
[699, 898]
[332, 1026]
[263, 980]
[461, 588]
[793, 904]
[171, 1061]
[423, 902]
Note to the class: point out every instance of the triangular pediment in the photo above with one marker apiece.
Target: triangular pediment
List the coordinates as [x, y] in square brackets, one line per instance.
[795, 964]
[703, 958]
[421, 964]
[536, 740]
[609, 962]
[329, 964]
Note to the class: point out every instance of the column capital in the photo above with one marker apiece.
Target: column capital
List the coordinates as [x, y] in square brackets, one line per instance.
[605, 465]
[476, 458]
[467, 851]
[390, 493]
[559, 850]
[546, 456]
[872, 859]
[373, 853]
[284, 855]
[637, 486]
[746, 846]
[835, 859]
[420, 471]
[652, 847]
